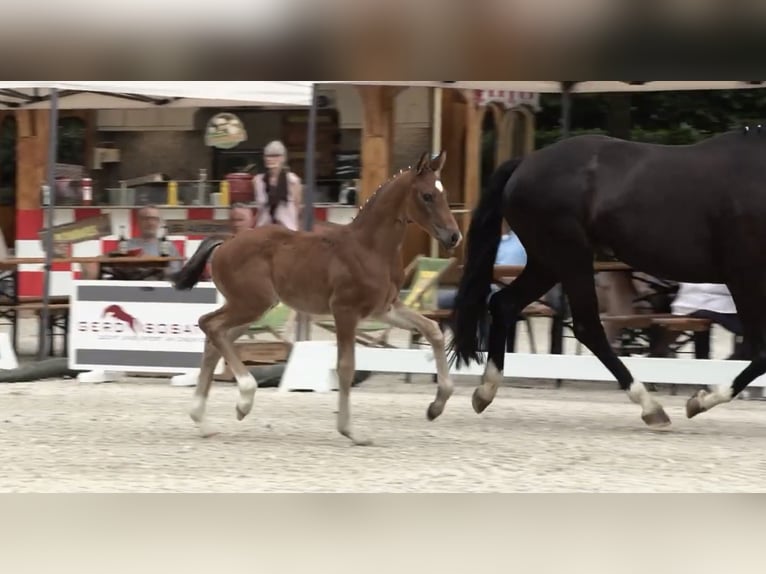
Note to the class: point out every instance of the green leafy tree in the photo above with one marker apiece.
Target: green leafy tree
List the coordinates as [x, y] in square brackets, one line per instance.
[661, 117]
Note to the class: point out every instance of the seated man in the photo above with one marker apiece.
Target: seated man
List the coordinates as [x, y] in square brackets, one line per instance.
[148, 241]
[711, 301]
[509, 252]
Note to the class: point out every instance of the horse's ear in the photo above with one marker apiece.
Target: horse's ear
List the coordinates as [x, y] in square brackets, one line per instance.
[422, 163]
[438, 162]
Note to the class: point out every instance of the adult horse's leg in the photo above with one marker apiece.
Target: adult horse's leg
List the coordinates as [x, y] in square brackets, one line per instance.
[210, 358]
[504, 307]
[405, 318]
[218, 327]
[580, 287]
[750, 309]
[345, 333]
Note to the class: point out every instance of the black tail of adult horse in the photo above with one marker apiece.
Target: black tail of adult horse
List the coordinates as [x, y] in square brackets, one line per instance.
[190, 273]
[482, 241]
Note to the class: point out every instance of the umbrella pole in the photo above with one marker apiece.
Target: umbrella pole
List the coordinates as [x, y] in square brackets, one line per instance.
[44, 343]
[303, 324]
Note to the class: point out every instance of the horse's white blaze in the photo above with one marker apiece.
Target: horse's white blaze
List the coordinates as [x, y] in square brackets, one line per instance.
[438, 185]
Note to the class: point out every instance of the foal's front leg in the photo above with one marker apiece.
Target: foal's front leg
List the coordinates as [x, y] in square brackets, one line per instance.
[345, 329]
[404, 318]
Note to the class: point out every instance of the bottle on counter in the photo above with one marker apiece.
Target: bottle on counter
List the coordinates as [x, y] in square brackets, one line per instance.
[122, 243]
[172, 192]
[87, 191]
[164, 243]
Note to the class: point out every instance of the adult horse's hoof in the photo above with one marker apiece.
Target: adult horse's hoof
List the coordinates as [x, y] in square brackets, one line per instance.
[694, 404]
[479, 403]
[656, 420]
[434, 410]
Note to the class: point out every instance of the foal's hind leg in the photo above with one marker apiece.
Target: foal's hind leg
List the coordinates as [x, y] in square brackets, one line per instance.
[581, 290]
[402, 317]
[217, 328]
[210, 358]
[504, 307]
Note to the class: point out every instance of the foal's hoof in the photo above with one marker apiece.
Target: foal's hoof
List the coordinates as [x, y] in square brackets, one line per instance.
[694, 404]
[479, 403]
[434, 410]
[656, 420]
[241, 413]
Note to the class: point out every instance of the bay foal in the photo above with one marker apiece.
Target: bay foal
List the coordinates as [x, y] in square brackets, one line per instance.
[351, 271]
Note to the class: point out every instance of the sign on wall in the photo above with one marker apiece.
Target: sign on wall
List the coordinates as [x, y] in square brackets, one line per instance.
[86, 229]
[139, 326]
[224, 131]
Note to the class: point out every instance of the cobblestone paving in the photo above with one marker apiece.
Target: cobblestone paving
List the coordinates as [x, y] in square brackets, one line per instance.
[136, 437]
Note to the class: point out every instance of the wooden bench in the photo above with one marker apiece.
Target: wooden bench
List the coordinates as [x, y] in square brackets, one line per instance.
[683, 324]
[637, 321]
[58, 318]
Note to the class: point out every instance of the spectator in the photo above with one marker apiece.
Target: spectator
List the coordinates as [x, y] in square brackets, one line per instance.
[240, 217]
[509, 252]
[711, 301]
[278, 192]
[148, 241]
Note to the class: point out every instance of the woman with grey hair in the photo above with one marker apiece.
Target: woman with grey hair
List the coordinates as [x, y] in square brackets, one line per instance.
[278, 192]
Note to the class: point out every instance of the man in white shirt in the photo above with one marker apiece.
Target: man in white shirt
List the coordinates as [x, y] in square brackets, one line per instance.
[710, 301]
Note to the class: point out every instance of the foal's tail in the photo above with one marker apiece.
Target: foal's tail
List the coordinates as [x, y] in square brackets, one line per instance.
[481, 251]
[190, 273]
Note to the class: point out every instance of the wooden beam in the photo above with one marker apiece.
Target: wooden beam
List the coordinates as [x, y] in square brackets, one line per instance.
[31, 156]
[504, 137]
[377, 136]
[471, 183]
[453, 141]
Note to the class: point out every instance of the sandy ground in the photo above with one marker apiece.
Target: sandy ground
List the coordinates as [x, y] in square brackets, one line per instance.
[62, 436]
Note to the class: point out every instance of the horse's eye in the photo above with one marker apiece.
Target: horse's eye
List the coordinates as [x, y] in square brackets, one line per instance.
[428, 197]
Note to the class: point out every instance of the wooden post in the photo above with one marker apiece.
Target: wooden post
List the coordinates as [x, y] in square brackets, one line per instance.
[471, 182]
[453, 138]
[504, 137]
[377, 137]
[31, 154]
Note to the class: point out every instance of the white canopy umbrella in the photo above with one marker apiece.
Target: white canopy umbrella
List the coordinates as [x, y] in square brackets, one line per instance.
[577, 87]
[111, 95]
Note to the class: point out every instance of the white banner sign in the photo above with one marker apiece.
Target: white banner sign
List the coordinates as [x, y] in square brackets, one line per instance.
[139, 326]
[508, 99]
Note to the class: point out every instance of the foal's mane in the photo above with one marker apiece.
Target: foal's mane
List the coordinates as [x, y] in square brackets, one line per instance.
[382, 188]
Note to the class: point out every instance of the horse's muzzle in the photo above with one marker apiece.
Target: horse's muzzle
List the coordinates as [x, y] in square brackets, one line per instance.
[450, 238]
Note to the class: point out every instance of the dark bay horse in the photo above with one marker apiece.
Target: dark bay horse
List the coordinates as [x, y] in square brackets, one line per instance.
[352, 271]
[690, 213]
